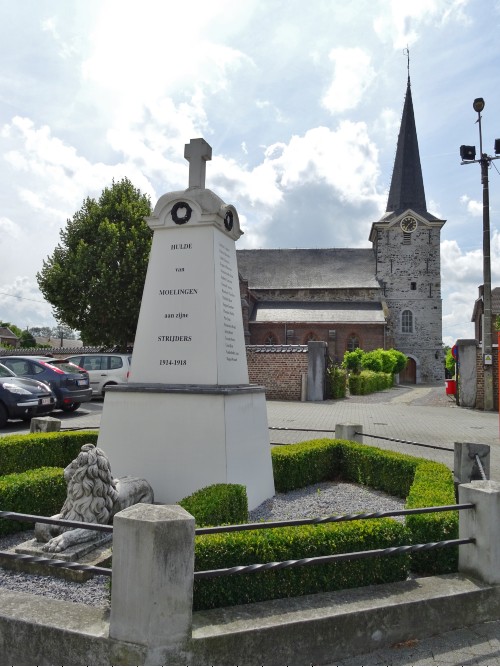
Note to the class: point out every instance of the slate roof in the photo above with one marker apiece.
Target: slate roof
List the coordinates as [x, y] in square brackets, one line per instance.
[287, 311]
[308, 268]
[407, 184]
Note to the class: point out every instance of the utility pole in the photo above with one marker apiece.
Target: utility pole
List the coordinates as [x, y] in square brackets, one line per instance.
[468, 155]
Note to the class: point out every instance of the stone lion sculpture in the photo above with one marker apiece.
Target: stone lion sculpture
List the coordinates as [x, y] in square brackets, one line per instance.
[93, 496]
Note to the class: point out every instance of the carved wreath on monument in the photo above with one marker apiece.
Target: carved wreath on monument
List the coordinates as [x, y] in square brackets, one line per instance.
[93, 496]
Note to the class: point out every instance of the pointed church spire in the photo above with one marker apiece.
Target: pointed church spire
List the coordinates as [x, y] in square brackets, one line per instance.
[407, 185]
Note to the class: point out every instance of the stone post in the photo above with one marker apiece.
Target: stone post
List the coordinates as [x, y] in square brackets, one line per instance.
[481, 559]
[44, 424]
[316, 370]
[153, 565]
[465, 468]
[352, 432]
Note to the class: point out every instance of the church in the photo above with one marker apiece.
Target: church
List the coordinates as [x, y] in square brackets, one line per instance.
[385, 296]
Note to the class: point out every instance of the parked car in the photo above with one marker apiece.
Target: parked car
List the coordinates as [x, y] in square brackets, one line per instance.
[69, 383]
[104, 369]
[23, 398]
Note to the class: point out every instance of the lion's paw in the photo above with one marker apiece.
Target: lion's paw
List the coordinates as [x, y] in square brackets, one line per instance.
[55, 545]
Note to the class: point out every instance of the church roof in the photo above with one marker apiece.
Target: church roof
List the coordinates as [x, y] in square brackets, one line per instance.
[338, 268]
[338, 312]
[407, 184]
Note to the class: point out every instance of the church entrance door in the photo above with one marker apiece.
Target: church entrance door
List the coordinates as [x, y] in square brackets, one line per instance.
[409, 375]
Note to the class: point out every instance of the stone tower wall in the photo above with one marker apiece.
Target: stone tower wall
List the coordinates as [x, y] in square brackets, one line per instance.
[410, 276]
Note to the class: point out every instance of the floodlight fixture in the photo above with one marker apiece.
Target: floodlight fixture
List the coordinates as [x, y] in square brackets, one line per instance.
[468, 152]
[478, 104]
[497, 146]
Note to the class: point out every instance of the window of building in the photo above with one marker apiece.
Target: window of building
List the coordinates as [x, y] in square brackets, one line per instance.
[310, 336]
[352, 343]
[407, 321]
[406, 238]
[413, 286]
[270, 339]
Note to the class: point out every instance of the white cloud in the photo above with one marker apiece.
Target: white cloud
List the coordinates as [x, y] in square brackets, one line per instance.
[402, 22]
[353, 74]
[9, 228]
[474, 208]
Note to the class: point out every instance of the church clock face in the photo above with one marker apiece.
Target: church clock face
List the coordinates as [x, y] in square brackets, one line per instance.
[408, 224]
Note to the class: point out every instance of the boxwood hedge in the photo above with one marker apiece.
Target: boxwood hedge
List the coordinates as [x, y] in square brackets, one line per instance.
[40, 489]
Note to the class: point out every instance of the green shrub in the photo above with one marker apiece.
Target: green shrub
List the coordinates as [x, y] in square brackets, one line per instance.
[337, 381]
[380, 469]
[433, 486]
[296, 466]
[400, 360]
[270, 545]
[352, 360]
[41, 492]
[371, 361]
[368, 382]
[19, 453]
[218, 504]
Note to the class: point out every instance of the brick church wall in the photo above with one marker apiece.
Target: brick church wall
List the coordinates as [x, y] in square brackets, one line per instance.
[278, 368]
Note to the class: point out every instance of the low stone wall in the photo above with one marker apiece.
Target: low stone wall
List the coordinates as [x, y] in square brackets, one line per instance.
[278, 368]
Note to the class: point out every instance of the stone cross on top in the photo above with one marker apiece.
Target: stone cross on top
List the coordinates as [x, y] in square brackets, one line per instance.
[197, 152]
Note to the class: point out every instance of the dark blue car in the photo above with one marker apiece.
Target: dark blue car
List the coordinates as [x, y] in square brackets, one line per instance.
[69, 382]
[22, 398]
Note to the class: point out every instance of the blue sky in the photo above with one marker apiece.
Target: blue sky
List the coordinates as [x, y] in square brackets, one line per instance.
[301, 103]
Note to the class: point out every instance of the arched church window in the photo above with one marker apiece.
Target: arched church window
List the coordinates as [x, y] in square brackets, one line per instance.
[352, 343]
[310, 336]
[407, 321]
[270, 339]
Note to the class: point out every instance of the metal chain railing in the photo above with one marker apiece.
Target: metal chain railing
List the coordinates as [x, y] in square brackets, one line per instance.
[322, 560]
[406, 442]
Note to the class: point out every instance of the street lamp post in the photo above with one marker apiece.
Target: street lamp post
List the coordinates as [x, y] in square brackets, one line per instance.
[468, 155]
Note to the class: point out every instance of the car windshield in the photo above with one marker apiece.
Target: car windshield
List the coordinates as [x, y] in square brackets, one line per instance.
[5, 372]
[66, 366]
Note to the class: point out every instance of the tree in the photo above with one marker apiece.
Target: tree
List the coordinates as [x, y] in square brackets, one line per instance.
[27, 339]
[95, 276]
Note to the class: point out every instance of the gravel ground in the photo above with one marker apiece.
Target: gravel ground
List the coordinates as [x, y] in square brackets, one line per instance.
[313, 501]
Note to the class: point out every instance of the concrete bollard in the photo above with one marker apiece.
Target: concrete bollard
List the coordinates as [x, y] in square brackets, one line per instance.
[44, 424]
[465, 468]
[153, 566]
[482, 523]
[353, 432]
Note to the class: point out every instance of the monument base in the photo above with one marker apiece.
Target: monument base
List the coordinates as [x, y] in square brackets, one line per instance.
[95, 553]
[182, 438]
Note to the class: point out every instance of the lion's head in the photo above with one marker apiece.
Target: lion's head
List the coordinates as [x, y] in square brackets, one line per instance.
[91, 487]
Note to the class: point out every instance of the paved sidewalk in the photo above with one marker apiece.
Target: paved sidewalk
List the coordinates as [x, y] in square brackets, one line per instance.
[421, 414]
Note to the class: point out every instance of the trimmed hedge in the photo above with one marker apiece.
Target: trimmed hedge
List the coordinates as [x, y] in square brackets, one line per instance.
[19, 453]
[368, 382]
[41, 492]
[432, 486]
[218, 504]
[263, 546]
[422, 482]
[296, 466]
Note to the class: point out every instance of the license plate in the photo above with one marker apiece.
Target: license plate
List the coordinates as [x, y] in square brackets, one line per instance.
[45, 401]
[82, 383]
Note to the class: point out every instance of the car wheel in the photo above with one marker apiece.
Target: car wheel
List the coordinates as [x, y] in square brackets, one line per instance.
[110, 384]
[70, 407]
[3, 416]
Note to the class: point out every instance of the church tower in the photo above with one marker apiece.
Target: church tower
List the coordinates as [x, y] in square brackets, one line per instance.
[406, 243]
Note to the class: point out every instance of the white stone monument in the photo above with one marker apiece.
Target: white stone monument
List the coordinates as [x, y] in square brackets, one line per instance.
[188, 417]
